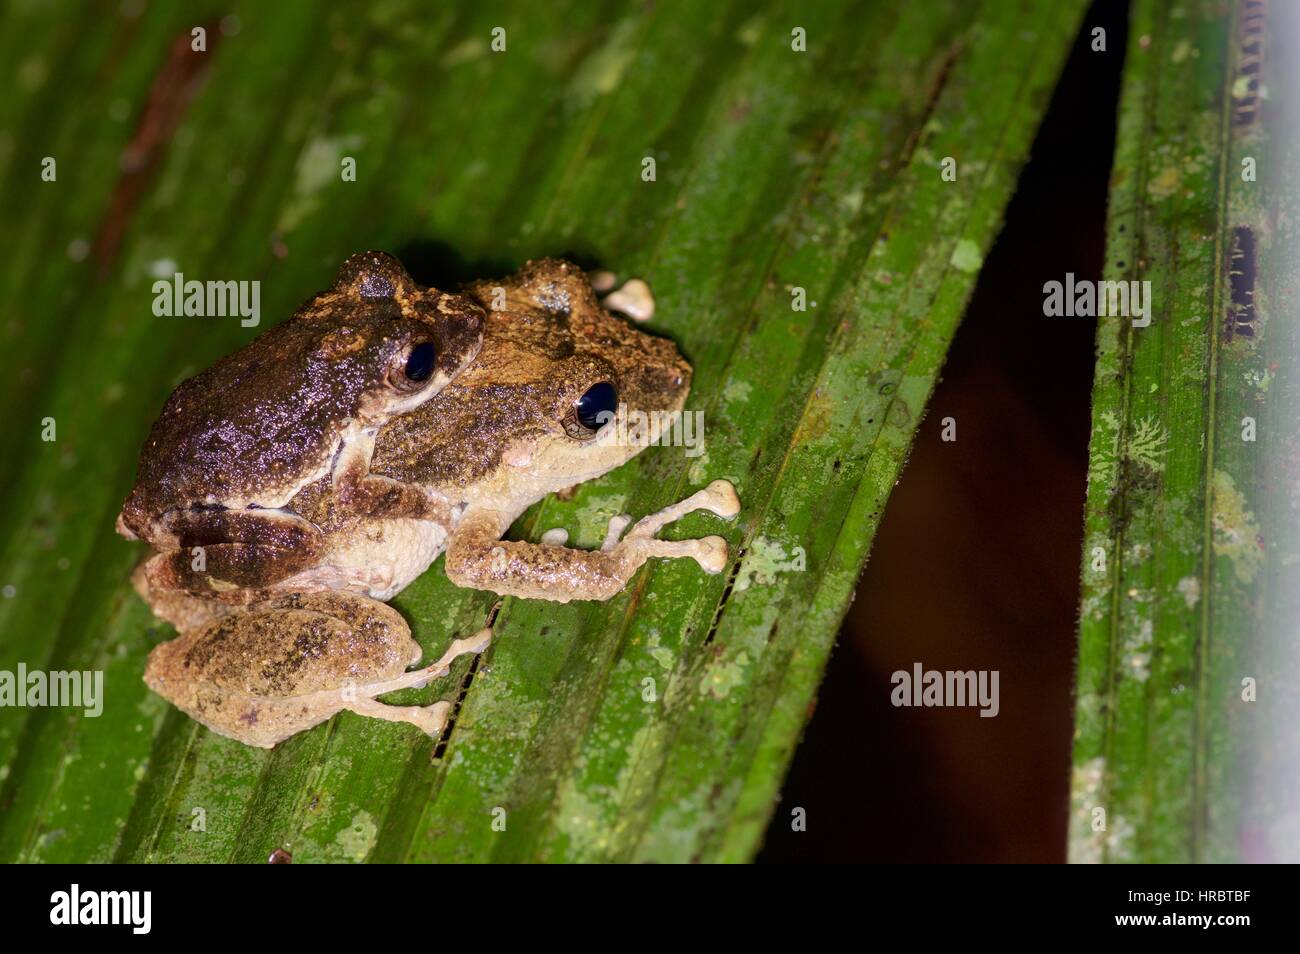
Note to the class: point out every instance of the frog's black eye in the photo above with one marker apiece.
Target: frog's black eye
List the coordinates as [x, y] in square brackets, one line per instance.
[420, 361]
[597, 406]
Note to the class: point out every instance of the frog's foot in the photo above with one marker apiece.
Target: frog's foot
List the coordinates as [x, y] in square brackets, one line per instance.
[718, 497]
[710, 553]
[429, 719]
[634, 299]
[376, 496]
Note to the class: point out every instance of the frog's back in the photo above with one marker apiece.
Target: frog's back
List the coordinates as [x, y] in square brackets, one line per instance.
[251, 429]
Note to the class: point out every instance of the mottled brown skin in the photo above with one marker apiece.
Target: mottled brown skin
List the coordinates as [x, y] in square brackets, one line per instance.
[499, 437]
[299, 404]
[293, 662]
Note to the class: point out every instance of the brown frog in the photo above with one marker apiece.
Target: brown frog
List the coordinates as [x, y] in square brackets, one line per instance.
[300, 404]
[561, 392]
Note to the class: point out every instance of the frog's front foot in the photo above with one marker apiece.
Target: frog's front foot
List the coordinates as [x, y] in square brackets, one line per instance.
[634, 299]
[710, 553]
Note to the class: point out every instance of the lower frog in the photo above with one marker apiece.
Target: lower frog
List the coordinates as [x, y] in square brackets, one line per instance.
[561, 392]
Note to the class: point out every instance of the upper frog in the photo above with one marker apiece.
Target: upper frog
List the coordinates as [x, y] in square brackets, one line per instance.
[302, 401]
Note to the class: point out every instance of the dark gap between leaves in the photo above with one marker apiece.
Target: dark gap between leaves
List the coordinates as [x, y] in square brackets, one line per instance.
[441, 748]
[976, 562]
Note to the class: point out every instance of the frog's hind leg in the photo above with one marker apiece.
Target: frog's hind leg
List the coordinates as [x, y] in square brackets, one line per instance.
[429, 719]
[231, 555]
[432, 719]
[231, 572]
[418, 678]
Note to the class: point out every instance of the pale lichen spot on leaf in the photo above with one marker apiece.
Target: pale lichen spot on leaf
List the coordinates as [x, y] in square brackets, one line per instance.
[319, 166]
[593, 519]
[601, 72]
[751, 30]
[1165, 183]
[660, 653]
[359, 837]
[764, 559]
[33, 72]
[1145, 446]
[1139, 552]
[736, 391]
[966, 257]
[1085, 793]
[700, 470]
[466, 51]
[1137, 652]
[1236, 534]
[726, 674]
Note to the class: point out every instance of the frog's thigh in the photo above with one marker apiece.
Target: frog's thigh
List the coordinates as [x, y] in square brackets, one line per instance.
[220, 568]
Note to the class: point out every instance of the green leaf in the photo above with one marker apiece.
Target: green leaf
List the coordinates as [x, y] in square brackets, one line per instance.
[776, 169]
[1187, 743]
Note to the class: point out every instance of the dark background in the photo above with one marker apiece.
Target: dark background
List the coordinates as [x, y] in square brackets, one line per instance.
[976, 563]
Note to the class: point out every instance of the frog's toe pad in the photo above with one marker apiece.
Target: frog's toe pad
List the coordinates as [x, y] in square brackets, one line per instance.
[555, 537]
[431, 719]
[711, 554]
[478, 642]
[634, 299]
[722, 498]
